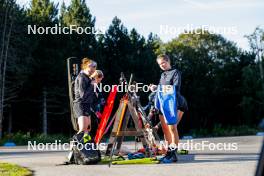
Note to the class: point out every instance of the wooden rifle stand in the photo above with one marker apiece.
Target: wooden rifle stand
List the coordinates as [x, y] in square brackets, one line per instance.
[117, 137]
[73, 69]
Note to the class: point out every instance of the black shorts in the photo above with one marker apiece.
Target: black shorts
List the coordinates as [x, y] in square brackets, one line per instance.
[81, 109]
[182, 104]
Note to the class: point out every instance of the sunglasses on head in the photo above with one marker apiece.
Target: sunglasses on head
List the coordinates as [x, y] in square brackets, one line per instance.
[93, 64]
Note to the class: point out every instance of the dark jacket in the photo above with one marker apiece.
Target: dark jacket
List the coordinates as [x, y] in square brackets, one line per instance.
[171, 77]
[83, 89]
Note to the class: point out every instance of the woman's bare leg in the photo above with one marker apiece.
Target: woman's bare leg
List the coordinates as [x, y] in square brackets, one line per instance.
[165, 129]
[174, 130]
[84, 124]
[174, 135]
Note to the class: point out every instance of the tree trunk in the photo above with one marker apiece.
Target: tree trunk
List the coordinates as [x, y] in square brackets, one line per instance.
[10, 121]
[45, 112]
[3, 59]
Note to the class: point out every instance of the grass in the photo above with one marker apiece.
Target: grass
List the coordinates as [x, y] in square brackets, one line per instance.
[7, 169]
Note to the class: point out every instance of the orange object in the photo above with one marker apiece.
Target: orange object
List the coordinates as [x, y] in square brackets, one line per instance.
[105, 115]
[122, 115]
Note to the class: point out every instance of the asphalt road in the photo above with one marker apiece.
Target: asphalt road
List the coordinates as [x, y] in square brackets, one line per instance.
[242, 161]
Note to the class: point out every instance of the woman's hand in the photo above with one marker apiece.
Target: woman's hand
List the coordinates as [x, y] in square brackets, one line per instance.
[147, 125]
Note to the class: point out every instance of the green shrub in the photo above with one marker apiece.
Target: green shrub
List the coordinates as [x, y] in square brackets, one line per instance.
[20, 138]
[218, 131]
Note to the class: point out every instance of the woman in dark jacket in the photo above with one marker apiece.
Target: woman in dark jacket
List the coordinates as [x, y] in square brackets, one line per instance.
[84, 95]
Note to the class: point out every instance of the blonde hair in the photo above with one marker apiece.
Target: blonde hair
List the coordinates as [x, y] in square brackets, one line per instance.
[86, 62]
[97, 74]
[163, 57]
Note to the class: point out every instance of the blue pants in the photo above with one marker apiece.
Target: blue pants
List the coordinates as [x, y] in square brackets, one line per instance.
[166, 103]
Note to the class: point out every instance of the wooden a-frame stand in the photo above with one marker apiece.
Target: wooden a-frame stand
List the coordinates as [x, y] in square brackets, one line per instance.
[117, 137]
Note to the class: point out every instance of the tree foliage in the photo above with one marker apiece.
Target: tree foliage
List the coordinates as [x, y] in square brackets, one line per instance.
[221, 82]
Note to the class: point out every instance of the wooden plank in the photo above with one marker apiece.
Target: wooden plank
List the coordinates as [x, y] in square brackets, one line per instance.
[128, 133]
[117, 120]
[134, 115]
[120, 138]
